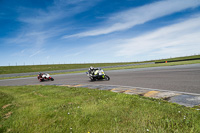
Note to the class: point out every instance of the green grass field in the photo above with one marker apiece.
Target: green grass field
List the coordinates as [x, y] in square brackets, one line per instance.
[50, 109]
[157, 65]
[118, 68]
[41, 68]
[180, 58]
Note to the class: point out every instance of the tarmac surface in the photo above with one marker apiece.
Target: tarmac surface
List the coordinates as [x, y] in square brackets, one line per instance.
[179, 84]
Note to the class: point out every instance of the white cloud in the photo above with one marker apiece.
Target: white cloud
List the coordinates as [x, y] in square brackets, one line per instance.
[40, 25]
[180, 39]
[174, 40]
[36, 53]
[58, 10]
[129, 18]
[76, 54]
[48, 57]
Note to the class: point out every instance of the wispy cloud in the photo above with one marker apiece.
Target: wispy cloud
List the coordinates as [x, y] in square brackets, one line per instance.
[181, 38]
[41, 25]
[36, 53]
[58, 10]
[76, 54]
[132, 17]
[178, 39]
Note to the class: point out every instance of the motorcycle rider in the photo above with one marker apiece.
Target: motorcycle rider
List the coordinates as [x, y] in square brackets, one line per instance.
[98, 72]
[92, 70]
[40, 74]
[44, 75]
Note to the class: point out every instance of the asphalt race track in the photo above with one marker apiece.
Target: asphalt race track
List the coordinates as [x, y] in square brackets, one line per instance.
[184, 78]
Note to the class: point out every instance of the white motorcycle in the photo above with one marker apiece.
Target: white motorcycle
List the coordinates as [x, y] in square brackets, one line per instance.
[44, 76]
[98, 75]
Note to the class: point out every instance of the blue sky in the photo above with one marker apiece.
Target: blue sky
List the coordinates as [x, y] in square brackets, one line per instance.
[91, 31]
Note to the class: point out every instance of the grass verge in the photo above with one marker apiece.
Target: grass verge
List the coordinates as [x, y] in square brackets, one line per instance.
[156, 65]
[82, 110]
[40, 68]
[118, 68]
[193, 57]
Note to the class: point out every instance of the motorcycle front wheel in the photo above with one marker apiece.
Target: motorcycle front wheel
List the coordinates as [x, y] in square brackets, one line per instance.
[92, 79]
[107, 77]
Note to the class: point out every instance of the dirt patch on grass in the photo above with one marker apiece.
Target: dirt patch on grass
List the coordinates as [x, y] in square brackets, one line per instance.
[7, 115]
[5, 106]
[38, 94]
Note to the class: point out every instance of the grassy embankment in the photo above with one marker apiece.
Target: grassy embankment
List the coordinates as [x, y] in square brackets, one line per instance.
[157, 65]
[41, 68]
[118, 68]
[197, 57]
[81, 110]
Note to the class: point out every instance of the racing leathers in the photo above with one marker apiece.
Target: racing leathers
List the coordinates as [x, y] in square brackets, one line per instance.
[92, 70]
